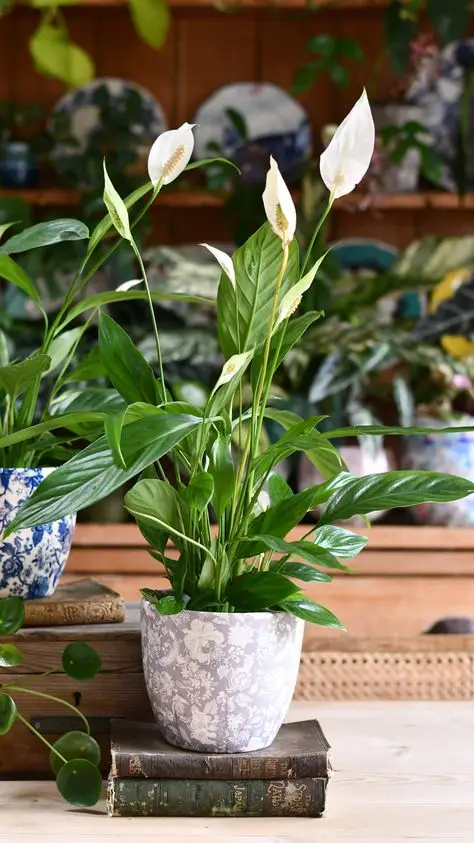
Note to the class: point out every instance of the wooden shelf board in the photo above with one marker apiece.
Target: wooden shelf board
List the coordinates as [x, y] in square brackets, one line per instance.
[310, 5]
[355, 202]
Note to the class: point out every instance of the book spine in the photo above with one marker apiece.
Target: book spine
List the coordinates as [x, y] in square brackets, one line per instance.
[197, 798]
[228, 767]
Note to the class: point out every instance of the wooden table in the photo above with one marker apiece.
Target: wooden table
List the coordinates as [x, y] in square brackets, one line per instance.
[403, 771]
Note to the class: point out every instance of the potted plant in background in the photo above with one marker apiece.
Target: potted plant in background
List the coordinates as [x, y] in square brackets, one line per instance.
[221, 649]
[21, 141]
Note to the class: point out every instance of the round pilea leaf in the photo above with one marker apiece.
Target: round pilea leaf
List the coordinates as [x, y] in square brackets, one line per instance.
[79, 783]
[7, 713]
[12, 615]
[10, 655]
[74, 745]
[81, 661]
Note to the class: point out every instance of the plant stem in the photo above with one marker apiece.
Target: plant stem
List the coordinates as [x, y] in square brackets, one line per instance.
[40, 736]
[50, 697]
[315, 234]
[153, 317]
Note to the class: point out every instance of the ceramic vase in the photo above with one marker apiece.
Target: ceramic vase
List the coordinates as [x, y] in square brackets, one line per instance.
[451, 453]
[31, 560]
[220, 682]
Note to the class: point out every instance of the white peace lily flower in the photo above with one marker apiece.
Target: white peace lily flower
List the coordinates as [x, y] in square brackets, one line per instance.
[127, 285]
[346, 159]
[170, 154]
[278, 204]
[224, 260]
[292, 298]
[233, 365]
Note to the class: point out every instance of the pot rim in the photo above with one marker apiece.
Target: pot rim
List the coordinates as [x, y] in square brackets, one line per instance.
[27, 469]
[197, 612]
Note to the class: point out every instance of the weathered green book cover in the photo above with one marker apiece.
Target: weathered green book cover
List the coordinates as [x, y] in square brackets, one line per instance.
[300, 751]
[218, 798]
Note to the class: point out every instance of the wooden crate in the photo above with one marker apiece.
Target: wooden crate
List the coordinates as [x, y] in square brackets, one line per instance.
[405, 580]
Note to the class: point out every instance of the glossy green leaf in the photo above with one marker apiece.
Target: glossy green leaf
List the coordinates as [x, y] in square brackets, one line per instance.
[339, 541]
[10, 655]
[156, 503]
[80, 783]
[14, 273]
[45, 234]
[221, 467]
[300, 437]
[62, 346]
[208, 162]
[168, 605]
[80, 661]
[74, 745]
[90, 367]
[70, 421]
[328, 461]
[127, 369]
[151, 19]
[114, 425]
[16, 377]
[276, 521]
[258, 590]
[116, 206]
[4, 352]
[301, 549]
[56, 56]
[92, 475]
[12, 615]
[382, 430]
[305, 608]
[450, 19]
[278, 489]
[400, 31]
[298, 571]
[393, 489]
[199, 490]
[7, 713]
[292, 335]
[243, 311]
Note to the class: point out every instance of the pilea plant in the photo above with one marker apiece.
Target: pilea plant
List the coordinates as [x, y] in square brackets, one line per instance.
[221, 468]
[75, 756]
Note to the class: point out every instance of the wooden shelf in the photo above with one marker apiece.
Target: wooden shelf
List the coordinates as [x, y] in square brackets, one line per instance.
[228, 5]
[354, 202]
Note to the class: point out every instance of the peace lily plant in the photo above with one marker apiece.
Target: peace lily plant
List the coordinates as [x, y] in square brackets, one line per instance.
[221, 647]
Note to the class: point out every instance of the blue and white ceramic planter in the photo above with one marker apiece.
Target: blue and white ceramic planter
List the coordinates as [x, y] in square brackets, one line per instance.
[451, 453]
[31, 560]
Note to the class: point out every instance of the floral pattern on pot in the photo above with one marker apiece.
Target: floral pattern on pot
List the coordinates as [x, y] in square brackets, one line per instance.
[452, 453]
[32, 560]
[220, 682]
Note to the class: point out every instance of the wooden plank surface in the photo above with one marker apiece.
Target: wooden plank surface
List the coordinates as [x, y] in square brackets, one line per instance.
[402, 771]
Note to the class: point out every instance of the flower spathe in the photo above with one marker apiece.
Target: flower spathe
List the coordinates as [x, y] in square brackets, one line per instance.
[224, 260]
[346, 159]
[170, 154]
[278, 204]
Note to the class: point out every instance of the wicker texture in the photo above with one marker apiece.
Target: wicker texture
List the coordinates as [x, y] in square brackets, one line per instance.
[386, 676]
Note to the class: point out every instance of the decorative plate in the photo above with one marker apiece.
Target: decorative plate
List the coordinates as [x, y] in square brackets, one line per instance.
[81, 118]
[438, 90]
[248, 122]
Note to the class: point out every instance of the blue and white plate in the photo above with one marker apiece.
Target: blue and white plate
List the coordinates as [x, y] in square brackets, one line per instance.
[438, 90]
[275, 124]
[131, 106]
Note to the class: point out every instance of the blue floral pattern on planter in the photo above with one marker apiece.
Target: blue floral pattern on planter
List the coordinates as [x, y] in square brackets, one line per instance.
[31, 560]
[451, 453]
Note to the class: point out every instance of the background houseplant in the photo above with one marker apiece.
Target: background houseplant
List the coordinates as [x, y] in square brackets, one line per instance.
[234, 609]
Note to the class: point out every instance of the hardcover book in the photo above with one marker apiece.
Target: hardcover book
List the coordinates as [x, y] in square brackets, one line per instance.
[206, 798]
[300, 751]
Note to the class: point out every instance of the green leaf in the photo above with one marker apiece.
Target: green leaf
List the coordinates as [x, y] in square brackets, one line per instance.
[297, 571]
[258, 590]
[305, 608]
[7, 713]
[80, 783]
[89, 368]
[10, 656]
[105, 224]
[151, 19]
[328, 461]
[45, 234]
[305, 76]
[243, 312]
[276, 521]
[114, 202]
[292, 298]
[12, 615]
[61, 347]
[451, 19]
[69, 420]
[294, 331]
[221, 467]
[400, 31]
[13, 273]
[208, 162]
[156, 503]
[339, 541]
[393, 489]
[300, 437]
[17, 376]
[80, 661]
[278, 489]
[199, 490]
[55, 55]
[168, 605]
[74, 745]
[382, 430]
[125, 366]
[114, 424]
[4, 355]
[92, 474]
[301, 549]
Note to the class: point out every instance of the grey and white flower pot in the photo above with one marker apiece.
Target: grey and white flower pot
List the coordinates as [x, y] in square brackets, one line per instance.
[402, 177]
[31, 560]
[220, 682]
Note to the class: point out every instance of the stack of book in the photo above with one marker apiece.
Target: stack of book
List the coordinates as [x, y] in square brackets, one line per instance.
[150, 778]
